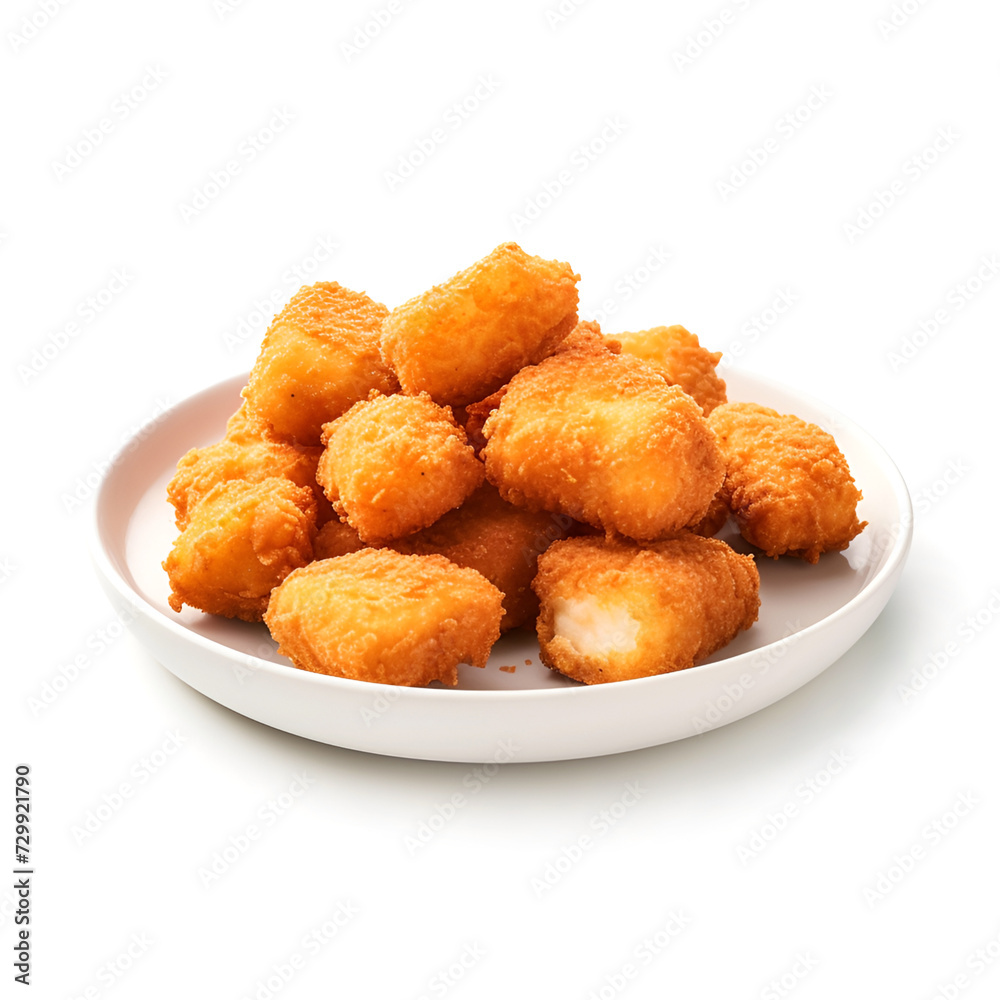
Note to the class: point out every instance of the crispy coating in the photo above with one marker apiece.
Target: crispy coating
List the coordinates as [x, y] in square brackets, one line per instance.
[336, 538]
[394, 464]
[377, 615]
[603, 439]
[240, 542]
[676, 352]
[463, 340]
[717, 515]
[614, 610]
[319, 356]
[243, 426]
[787, 482]
[250, 460]
[473, 416]
[501, 541]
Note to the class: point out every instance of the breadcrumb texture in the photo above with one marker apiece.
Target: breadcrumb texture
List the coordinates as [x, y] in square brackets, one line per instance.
[463, 340]
[501, 541]
[614, 610]
[787, 482]
[676, 352]
[377, 615]
[605, 440]
[336, 538]
[394, 464]
[319, 356]
[240, 542]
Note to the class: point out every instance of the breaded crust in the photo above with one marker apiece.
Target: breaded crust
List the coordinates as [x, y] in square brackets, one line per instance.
[394, 464]
[501, 541]
[319, 356]
[613, 610]
[684, 362]
[240, 542]
[377, 615]
[462, 340]
[605, 440]
[787, 482]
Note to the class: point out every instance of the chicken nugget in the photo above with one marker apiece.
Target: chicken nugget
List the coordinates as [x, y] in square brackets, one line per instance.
[394, 464]
[605, 440]
[614, 610]
[684, 362]
[463, 340]
[501, 541]
[377, 615]
[248, 459]
[320, 355]
[240, 542]
[787, 482]
[716, 516]
[336, 538]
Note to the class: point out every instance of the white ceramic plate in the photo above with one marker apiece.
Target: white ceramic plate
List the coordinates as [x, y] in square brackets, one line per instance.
[514, 708]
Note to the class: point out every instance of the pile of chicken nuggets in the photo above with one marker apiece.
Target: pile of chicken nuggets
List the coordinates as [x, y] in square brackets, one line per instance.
[400, 487]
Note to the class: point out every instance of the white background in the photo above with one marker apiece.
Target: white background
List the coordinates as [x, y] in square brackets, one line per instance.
[800, 915]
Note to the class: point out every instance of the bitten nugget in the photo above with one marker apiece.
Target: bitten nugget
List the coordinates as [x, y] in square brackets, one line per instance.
[247, 459]
[377, 615]
[603, 439]
[240, 542]
[463, 340]
[613, 610]
[395, 464]
[684, 362]
[787, 483]
[320, 355]
[501, 541]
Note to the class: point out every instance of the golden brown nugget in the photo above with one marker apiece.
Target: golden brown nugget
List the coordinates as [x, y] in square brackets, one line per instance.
[394, 464]
[336, 538]
[319, 356]
[463, 340]
[787, 482]
[247, 459]
[713, 521]
[377, 615]
[501, 541]
[614, 610]
[676, 352]
[240, 542]
[243, 426]
[605, 440]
